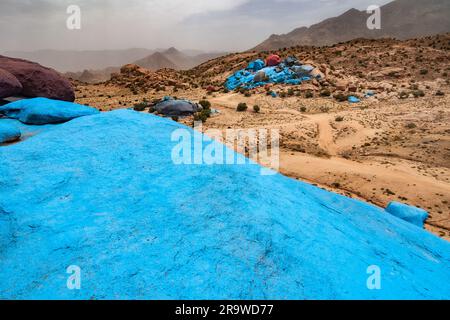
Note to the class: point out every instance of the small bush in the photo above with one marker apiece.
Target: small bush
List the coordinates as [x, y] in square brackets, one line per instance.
[309, 94]
[205, 104]
[411, 125]
[339, 119]
[242, 107]
[202, 115]
[340, 97]
[140, 106]
[423, 72]
[439, 93]
[325, 93]
[256, 108]
[403, 95]
[303, 109]
[418, 93]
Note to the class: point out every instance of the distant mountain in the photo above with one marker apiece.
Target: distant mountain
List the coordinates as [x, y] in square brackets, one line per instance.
[401, 19]
[162, 59]
[75, 61]
[175, 59]
[156, 61]
[92, 76]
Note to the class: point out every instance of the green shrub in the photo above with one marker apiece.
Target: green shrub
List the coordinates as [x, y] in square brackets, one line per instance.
[256, 108]
[403, 95]
[140, 106]
[341, 97]
[325, 93]
[202, 115]
[418, 93]
[309, 94]
[242, 107]
[205, 104]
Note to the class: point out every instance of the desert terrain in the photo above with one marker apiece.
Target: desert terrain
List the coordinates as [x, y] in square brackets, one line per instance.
[394, 146]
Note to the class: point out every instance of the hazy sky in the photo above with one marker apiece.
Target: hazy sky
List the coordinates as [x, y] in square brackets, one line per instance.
[186, 24]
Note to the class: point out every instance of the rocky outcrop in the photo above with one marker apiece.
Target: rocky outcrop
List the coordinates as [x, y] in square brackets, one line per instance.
[9, 85]
[40, 111]
[38, 81]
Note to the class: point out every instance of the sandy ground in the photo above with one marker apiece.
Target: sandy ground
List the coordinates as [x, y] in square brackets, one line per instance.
[376, 151]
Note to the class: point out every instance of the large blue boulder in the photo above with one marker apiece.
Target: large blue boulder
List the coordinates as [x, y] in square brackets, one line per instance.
[103, 193]
[39, 111]
[8, 132]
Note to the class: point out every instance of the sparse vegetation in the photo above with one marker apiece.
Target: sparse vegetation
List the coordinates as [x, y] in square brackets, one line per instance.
[242, 107]
[205, 104]
[325, 93]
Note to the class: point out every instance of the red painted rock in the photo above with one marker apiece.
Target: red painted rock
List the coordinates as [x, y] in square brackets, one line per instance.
[38, 81]
[9, 85]
[273, 60]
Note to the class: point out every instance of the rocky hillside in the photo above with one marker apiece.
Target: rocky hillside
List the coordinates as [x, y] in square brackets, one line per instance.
[392, 67]
[399, 20]
[156, 61]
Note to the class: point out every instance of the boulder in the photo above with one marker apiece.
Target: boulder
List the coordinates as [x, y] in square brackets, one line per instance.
[342, 85]
[38, 81]
[8, 132]
[317, 74]
[106, 193]
[176, 108]
[413, 215]
[352, 87]
[9, 85]
[261, 76]
[40, 111]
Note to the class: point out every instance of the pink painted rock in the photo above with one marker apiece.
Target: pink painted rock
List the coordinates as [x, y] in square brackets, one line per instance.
[38, 81]
[9, 85]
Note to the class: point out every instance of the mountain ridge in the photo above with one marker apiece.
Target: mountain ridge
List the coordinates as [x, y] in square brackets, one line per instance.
[398, 20]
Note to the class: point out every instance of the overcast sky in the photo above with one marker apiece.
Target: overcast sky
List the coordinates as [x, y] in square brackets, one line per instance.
[215, 25]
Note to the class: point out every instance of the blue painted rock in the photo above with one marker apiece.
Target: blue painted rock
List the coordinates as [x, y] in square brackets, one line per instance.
[38, 81]
[103, 193]
[413, 215]
[39, 111]
[8, 132]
